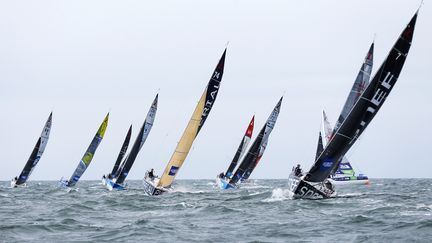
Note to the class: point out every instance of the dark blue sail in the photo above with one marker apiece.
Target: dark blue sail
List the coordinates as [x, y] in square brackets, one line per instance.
[122, 153]
[35, 155]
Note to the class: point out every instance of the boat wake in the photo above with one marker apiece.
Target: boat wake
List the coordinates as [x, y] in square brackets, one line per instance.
[350, 195]
[182, 189]
[278, 195]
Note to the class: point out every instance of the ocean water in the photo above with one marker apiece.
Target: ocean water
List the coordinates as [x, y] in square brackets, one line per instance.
[387, 210]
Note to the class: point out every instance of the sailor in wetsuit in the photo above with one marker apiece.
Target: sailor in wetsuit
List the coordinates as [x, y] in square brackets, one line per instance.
[298, 171]
[221, 175]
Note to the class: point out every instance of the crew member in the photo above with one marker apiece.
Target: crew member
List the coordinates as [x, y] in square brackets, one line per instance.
[298, 171]
[151, 174]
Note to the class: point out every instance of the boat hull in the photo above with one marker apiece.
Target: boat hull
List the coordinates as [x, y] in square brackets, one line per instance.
[349, 181]
[111, 185]
[63, 183]
[14, 185]
[151, 190]
[224, 184]
[300, 188]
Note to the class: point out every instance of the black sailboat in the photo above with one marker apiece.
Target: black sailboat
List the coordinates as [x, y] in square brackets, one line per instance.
[256, 151]
[122, 152]
[35, 156]
[315, 184]
[117, 179]
[222, 180]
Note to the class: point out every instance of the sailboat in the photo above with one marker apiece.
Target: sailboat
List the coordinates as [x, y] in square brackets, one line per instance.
[256, 151]
[88, 156]
[116, 179]
[122, 153]
[315, 185]
[345, 173]
[35, 156]
[222, 180]
[156, 186]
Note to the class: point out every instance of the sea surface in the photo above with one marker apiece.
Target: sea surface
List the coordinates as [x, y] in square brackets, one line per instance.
[387, 210]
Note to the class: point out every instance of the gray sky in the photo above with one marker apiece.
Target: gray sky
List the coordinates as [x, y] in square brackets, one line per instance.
[82, 59]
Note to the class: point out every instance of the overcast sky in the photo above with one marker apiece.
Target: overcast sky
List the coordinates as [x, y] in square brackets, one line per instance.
[81, 59]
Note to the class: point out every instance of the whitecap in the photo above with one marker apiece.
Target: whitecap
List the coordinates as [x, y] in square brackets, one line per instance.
[278, 194]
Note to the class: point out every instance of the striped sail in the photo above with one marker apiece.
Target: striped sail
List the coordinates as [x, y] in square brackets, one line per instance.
[139, 142]
[88, 156]
[195, 124]
[36, 153]
[241, 149]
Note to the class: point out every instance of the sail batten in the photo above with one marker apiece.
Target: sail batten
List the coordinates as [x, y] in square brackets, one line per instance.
[194, 126]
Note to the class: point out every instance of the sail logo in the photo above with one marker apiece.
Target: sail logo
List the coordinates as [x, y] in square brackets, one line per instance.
[326, 165]
[342, 166]
[377, 99]
[173, 170]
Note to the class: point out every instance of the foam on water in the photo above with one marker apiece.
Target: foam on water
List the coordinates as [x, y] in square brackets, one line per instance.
[278, 194]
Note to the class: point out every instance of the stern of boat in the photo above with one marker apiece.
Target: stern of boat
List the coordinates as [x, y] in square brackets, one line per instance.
[150, 187]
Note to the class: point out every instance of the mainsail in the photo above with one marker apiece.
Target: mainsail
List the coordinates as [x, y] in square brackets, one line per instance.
[88, 156]
[256, 151]
[364, 109]
[139, 142]
[36, 153]
[122, 152]
[241, 149]
[195, 124]
[360, 84]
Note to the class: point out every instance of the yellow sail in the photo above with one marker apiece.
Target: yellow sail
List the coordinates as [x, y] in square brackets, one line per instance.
[103, 126]
[194, 126]
[184, 145]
